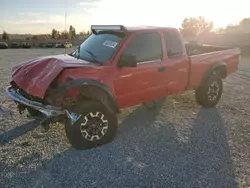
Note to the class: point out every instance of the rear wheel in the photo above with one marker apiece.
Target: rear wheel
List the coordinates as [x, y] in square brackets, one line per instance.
[209, 94]
[95, 126]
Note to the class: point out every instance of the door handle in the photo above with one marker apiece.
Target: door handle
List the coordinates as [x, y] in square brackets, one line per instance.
[161, 69]
[126, 75]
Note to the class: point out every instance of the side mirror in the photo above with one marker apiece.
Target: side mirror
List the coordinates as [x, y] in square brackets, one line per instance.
[76, 52]
[127, 61]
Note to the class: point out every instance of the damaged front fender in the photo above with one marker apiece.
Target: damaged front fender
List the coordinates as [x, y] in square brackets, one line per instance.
[91, 89]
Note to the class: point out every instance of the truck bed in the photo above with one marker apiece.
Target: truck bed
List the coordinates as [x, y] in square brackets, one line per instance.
[203, 56]
[196, 49]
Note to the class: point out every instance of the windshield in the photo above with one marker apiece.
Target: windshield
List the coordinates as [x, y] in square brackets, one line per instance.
[99, 48]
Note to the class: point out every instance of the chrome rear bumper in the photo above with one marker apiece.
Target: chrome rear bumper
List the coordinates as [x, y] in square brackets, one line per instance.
[45, 109]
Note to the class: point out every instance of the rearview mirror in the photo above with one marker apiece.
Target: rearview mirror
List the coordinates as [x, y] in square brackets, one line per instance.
[127, 61]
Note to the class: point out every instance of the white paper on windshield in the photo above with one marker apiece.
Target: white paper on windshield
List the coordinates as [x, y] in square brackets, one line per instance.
[110, 43]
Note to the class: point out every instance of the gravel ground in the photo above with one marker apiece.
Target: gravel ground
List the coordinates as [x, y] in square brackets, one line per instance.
[178, 144]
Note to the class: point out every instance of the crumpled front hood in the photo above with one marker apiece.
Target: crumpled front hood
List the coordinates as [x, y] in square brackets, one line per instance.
[34, 76]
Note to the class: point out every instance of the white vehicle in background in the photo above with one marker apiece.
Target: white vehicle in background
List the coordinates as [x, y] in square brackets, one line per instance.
[68, 45]
[59, 45]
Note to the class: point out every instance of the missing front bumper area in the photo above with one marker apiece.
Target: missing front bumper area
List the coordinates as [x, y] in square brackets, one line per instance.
[52, 113]
[47, 110]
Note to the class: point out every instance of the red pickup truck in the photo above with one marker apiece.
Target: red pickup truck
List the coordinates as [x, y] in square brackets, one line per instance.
[114, 68]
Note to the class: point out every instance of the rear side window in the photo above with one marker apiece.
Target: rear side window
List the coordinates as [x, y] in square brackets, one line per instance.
[145, 46]
[173, 43]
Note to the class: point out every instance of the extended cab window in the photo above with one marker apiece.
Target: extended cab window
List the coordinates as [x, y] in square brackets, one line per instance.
[173, 43]
[100, 47]
[145, 47]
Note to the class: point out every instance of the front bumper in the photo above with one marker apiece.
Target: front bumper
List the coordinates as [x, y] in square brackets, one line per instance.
[48, 110]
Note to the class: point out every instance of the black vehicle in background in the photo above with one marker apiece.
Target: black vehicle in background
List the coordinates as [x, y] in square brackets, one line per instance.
[3, 45]
[42, 45]
[50, 45]
[14, 45]
[26, 45]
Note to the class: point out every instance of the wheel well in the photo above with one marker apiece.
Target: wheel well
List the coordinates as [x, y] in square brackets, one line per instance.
[87, 89]
[90, 92]
[221, 70]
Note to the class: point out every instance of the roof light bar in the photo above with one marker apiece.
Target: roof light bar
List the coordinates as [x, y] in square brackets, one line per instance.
[95, 28]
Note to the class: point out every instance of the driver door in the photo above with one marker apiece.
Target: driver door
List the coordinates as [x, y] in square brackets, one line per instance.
[135, 85]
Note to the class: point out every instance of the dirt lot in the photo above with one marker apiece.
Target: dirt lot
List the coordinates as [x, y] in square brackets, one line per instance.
[178, 144]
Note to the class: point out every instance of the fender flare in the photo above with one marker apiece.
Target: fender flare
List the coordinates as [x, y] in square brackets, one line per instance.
[89, 82]
[221, 67]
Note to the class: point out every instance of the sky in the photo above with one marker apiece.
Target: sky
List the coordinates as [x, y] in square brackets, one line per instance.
[41, 16]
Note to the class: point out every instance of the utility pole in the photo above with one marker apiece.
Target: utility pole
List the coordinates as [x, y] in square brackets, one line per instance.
[65, 31]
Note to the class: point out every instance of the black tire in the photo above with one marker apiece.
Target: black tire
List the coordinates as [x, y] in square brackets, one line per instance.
[209, 94]
[80, 135]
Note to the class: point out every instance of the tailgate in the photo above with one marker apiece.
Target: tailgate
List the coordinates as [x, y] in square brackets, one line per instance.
[200, 63]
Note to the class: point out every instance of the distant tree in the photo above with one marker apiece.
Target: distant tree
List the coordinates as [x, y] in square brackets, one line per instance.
[72, 31]
[34, 37]
[245, 25]
[192, 26]
[64, 35]
[242, 27]
[231, 28]
[58, 35]
[245, 22]
[5, 36]
[54, 34]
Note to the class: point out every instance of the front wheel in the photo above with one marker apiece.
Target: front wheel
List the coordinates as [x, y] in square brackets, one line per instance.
[209, 94]
[95, 126]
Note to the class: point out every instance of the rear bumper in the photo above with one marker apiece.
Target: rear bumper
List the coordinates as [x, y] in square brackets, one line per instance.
[45, 109]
